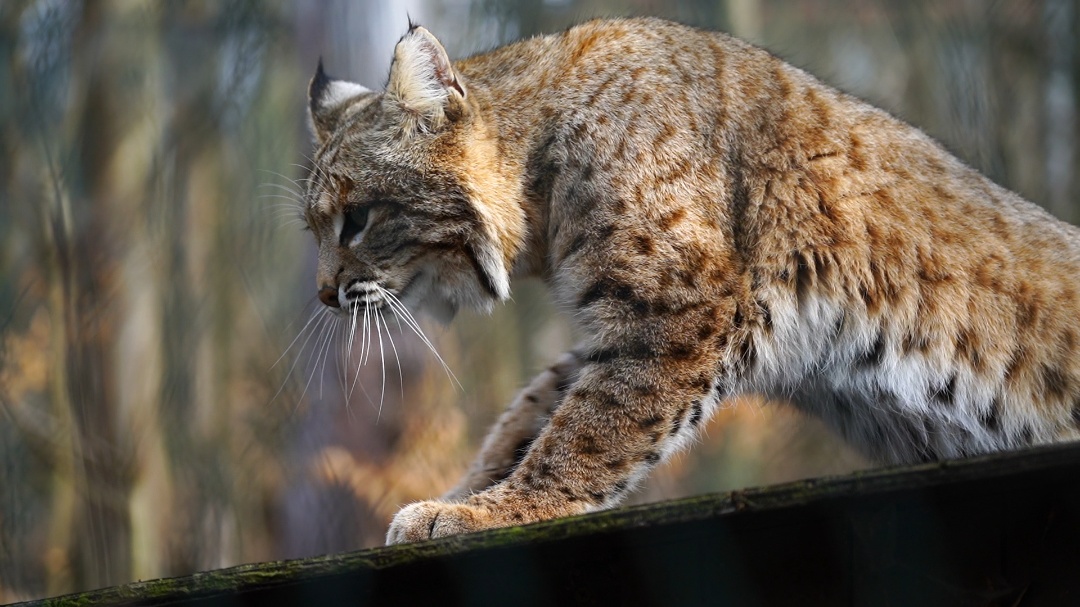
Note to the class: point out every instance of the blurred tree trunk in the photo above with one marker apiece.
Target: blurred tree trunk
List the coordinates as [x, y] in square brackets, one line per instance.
[745, 19]
[1059, 99]
[183, 134]
[100, 548]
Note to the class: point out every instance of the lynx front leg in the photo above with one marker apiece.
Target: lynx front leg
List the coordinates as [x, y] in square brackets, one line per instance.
[628, 410]
[509, 440]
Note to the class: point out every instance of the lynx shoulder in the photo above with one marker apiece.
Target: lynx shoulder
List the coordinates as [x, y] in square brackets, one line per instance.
[719, 222]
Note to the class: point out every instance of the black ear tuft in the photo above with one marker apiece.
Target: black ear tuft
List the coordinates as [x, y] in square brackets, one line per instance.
[328, 99]
[319, 85]
[412, 24]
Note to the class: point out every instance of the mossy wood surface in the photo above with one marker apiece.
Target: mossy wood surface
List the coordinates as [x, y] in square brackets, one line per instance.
[999, 530]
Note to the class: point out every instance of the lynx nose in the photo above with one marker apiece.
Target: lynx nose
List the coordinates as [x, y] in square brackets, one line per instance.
[328, 295]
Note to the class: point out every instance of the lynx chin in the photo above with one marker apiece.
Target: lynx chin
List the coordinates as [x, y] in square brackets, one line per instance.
[719, 223]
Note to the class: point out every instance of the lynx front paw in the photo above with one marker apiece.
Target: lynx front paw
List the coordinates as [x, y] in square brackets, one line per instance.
[429, 520]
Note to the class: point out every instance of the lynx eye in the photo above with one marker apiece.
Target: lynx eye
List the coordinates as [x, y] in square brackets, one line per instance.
[356, 220]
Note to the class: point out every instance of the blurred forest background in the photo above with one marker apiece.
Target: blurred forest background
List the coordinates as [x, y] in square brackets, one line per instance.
[154, 419]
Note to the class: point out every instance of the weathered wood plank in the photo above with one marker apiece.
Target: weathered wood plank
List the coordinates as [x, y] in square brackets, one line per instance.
[999, 530]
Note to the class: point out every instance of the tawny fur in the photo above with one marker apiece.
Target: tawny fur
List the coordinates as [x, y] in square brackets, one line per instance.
[719, 222]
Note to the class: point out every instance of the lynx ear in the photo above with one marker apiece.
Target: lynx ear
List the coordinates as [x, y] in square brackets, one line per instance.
[327, 100]
[423, 82]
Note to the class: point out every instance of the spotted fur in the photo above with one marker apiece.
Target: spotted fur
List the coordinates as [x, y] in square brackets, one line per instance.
[720, 223]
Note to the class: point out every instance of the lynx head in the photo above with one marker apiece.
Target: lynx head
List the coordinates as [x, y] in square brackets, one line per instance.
[406, 196]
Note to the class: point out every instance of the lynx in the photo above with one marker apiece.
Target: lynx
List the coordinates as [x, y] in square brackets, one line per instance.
[716, 222]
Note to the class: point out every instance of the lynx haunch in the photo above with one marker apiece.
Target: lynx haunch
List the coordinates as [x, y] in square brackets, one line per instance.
[719, 223]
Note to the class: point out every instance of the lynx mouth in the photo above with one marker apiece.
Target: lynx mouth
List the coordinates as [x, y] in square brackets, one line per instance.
[363, 293]
[362, 297]
[369, 294]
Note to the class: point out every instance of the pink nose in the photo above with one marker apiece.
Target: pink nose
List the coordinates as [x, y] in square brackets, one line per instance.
[328, 295]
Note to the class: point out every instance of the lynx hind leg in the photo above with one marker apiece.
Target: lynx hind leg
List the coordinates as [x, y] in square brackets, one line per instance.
[509, 440]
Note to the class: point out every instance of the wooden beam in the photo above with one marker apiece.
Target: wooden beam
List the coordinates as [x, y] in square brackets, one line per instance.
[997, 530]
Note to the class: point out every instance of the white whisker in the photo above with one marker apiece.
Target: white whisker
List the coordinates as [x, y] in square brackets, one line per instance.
[367, 333]
[314, 315]
[295, 194]
[298, 186]
[382, 367]
[285, 177]
[292, 206]
[363, 333]
[316, 171]
[400, 309]
[326, 352]
[325, 330]
[341, 327]
[361, 358]
[282, 209]
[321, 328]
[352, 332]
[296, 359]
[352, 342]
[397, 359]
[348, 332]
